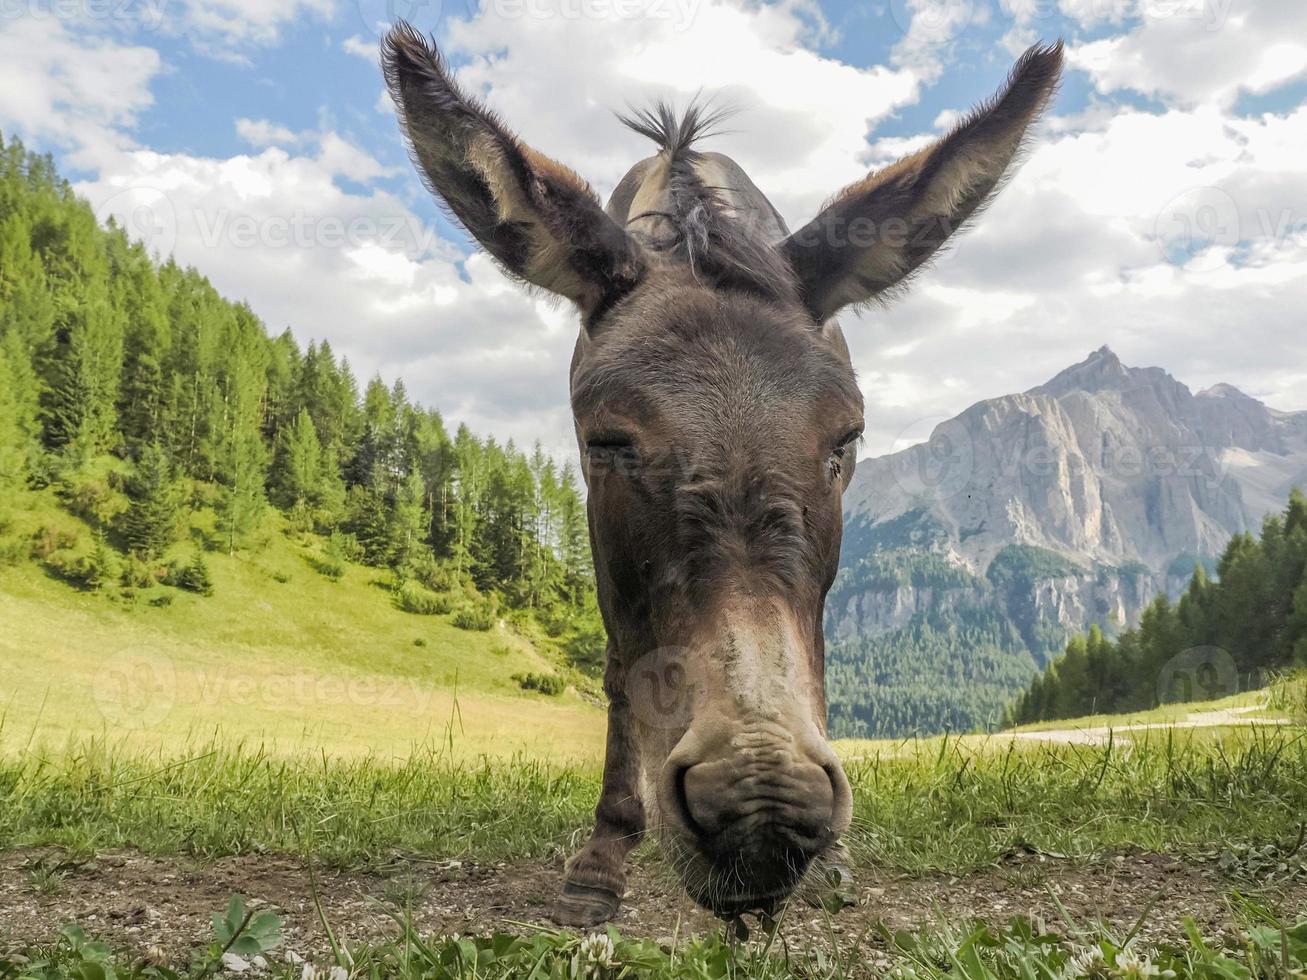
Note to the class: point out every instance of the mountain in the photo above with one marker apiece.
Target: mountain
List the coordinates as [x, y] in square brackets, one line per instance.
[970, 558]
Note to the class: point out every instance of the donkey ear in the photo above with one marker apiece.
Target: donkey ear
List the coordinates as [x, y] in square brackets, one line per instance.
[876, 233]
[540, 221]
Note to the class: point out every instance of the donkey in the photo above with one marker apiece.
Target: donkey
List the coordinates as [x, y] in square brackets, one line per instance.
[717, 417]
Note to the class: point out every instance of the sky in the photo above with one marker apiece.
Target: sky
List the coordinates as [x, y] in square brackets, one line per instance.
[1162, 209]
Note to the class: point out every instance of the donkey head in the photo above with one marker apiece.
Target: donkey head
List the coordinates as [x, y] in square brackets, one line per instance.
[717, 413]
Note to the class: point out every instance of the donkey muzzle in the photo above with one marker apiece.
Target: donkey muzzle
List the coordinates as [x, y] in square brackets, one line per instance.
[750, 809]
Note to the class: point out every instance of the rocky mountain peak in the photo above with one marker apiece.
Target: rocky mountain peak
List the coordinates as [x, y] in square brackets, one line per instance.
[1100, 370]
[1030, 516]
[1103, 464]
[1223, 390]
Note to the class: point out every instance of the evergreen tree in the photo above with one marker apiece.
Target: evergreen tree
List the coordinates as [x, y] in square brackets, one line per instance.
[240, 458]
[138, 293]
[408, 522]
[1296, 634]
[105, 351]
[573, 540]
[1255, 611]
[16, 422]
[82, 375]
[298, 467]
[149, 524]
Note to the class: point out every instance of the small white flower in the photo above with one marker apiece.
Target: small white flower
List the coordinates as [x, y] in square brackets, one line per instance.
[1083, 962]
[1130, 965]
[598, 947]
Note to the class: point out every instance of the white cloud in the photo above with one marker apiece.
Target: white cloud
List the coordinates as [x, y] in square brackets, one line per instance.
[344, 159]
[360, 47]
[1198, 52]
[261, 132]
[230, 23]
[73, 91]
[803, 120]
[932, 27]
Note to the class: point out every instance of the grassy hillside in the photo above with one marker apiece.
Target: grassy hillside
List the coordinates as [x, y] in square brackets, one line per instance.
[169, 419]
[1284, 700]
[279, 655]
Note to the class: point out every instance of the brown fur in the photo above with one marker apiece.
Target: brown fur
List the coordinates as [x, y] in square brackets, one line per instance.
[716, 411]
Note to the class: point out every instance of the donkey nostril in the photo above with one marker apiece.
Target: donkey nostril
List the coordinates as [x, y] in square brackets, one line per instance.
[683, 803]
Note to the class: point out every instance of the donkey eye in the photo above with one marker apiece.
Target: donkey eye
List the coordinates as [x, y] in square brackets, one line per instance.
[611, 452]
[608, 445]
[835, 463]
[847, 440]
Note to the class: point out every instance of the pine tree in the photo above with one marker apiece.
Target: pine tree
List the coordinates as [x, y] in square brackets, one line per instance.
[573, 539]
[102, 567]
[240, 458]
[15, 423]
[1296, 632]
[142, 398]
[408, 522]
[297, 472]
[192, 415]
[149, 524]
[83, 375]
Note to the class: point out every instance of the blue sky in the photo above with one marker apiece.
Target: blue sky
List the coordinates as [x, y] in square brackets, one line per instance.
[1163, 209]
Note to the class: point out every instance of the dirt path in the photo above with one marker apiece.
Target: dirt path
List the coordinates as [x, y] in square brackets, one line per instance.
[138, 901]
[1225, 718]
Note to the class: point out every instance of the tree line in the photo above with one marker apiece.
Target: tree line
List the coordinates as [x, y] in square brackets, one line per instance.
[952, 666]
[112, 362]
[1222, 635]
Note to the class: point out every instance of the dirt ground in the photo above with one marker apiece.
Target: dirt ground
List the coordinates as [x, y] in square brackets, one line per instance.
[137, 901]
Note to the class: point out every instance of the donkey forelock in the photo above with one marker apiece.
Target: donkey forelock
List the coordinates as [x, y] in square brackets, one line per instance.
[723, 245]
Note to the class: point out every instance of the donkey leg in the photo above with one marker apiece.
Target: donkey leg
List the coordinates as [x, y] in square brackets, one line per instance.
[596, 877]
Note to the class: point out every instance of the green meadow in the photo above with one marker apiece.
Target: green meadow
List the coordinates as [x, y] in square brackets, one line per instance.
[280, 656]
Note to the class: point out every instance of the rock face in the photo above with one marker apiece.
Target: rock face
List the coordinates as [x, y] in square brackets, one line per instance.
[1032, 516]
